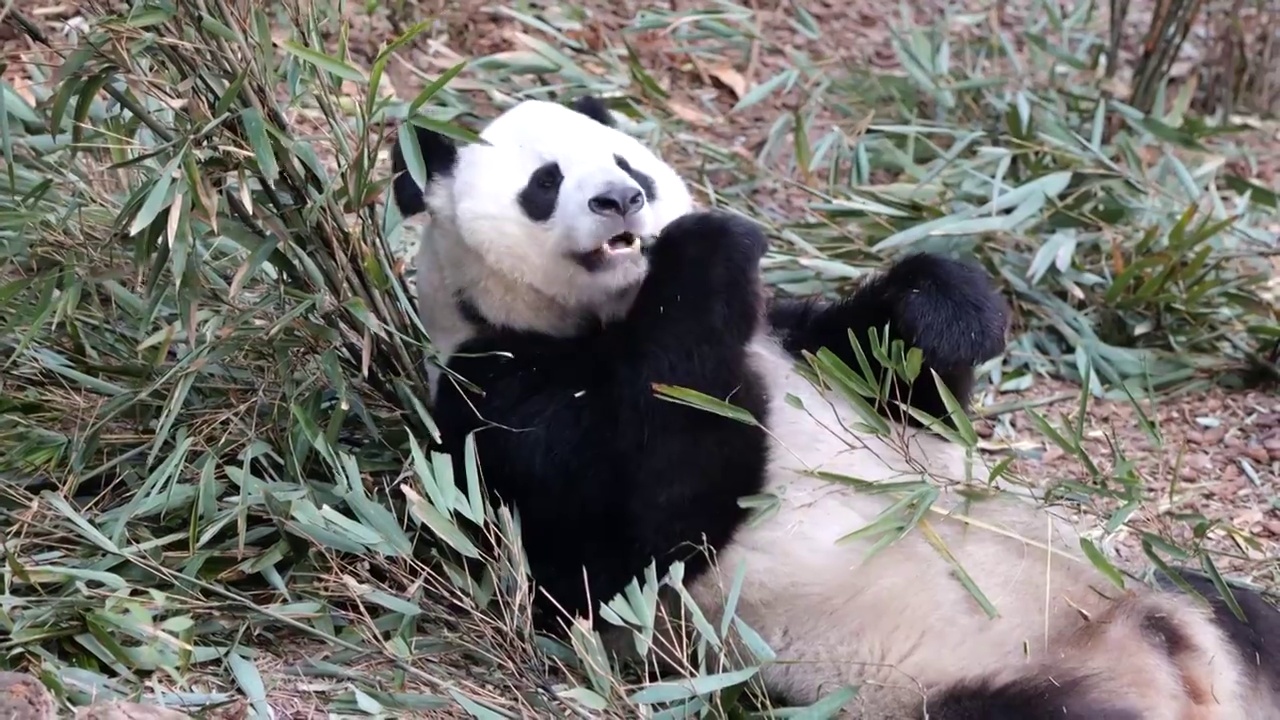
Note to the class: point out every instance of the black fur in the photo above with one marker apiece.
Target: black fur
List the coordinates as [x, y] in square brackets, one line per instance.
[605, 475]
[1028, 699]
[644, 181]
[470, 312]
[1257, 640]
[594, 108]
[949, 309]
[438, 155]
[539, 197]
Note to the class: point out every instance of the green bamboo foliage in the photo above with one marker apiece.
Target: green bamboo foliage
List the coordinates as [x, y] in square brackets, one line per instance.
[220, 480]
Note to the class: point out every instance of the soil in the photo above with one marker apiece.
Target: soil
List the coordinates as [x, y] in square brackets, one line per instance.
[1221, 452]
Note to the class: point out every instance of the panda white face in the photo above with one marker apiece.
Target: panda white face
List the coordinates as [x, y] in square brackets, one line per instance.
[557, 201]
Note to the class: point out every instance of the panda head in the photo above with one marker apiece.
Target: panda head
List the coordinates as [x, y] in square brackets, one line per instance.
[557, 202]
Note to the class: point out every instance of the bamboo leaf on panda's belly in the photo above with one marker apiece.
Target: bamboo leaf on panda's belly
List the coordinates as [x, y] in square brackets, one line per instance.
[701, 401]
[853, 388]
[963, 434]
[869, 486]
[1224, 591]
[935, 425]
[474, 507]
[863, 364]
[762, 506]
[889, 519]
[839, 370]
[754, 642]
[932, 537]
[825, 708]
[694, 614]
[1099, 561]
[1173, 550]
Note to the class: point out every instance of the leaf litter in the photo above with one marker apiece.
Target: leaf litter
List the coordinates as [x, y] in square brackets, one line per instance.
[1218, 454]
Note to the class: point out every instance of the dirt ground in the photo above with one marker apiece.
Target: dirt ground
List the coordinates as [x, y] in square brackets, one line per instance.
[1221, 455]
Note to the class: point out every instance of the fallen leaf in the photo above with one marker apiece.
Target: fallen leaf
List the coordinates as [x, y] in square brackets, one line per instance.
[595, 68]
[22, 86]
[688, 113]
[730, 78]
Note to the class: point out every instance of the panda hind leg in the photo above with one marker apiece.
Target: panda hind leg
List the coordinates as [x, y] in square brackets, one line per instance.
[1024, 699]
[950, 310]
[1150, 655]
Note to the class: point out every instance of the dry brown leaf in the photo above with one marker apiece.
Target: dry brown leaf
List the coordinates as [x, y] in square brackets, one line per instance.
[688, 113]
[22, 86]
[730, 78]
[595, 68]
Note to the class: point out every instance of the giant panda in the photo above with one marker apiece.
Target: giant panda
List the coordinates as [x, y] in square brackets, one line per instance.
[566, 271]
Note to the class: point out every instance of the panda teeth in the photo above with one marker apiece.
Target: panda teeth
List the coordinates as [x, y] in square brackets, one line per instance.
[622, 242]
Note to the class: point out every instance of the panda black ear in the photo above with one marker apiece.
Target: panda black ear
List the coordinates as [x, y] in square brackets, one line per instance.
[438, 155]
[594, 108]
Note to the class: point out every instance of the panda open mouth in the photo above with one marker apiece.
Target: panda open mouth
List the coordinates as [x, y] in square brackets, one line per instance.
[623, 243]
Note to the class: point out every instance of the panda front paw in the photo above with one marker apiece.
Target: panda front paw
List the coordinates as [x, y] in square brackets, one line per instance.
[950, 310]
[712, 236]
[704, 278]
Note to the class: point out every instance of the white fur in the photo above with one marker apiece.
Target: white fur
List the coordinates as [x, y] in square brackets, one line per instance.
[515, 270]
[833, 617]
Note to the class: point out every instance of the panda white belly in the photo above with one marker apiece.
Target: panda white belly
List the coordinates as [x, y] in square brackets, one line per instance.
[832, 619]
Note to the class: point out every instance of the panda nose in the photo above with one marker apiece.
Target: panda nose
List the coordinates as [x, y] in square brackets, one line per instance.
[620, 200]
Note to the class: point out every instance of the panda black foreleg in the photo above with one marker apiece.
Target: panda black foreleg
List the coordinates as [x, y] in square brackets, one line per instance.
[949, 309]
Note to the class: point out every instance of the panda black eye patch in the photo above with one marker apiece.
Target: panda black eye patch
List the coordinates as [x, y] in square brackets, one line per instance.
[540, 193]
[644, 181]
